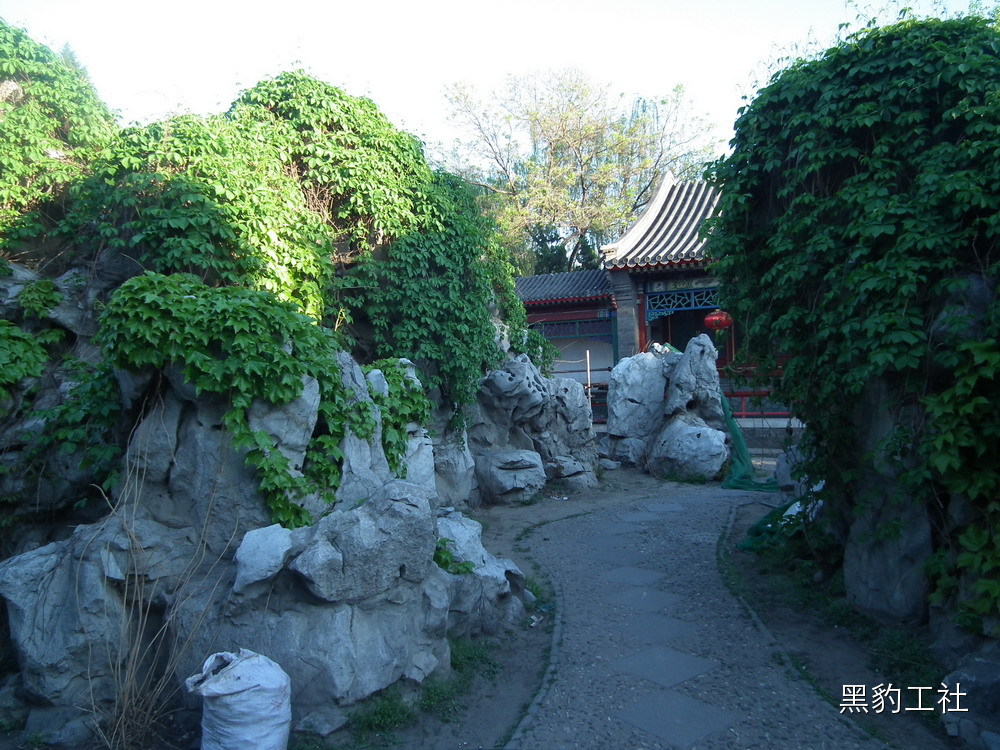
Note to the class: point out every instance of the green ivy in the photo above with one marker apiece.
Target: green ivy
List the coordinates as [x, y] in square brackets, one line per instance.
[444, 557]
[365, 177]
[51, 124]
[39, 297]
[84, 422]
[247, 345]
[211, 197]
[861, 197]
[428, 296]
[20, 357]
[405, 403]
[259, 226]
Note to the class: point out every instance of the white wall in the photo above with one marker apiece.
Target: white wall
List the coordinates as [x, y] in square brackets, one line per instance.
[573, 356]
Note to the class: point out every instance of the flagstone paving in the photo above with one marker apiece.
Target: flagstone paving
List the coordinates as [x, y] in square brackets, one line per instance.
[652, 650]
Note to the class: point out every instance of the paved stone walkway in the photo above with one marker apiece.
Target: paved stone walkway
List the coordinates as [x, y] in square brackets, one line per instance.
[652, 651]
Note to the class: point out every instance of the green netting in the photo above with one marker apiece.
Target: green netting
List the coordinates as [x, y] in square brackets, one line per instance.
[741, 475]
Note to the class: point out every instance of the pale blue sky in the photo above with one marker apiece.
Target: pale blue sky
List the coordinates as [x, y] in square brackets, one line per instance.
[151, 59]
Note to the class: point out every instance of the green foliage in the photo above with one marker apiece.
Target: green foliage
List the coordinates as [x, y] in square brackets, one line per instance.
[20, 357]
[383, 713]
[245, 220]
[361, 174]
[405, 403]
[208, 196]
[51, 123]
[860, 202]
[247, 345]
[39, 297]
[428, 296]
[84, 422]
[445, 559]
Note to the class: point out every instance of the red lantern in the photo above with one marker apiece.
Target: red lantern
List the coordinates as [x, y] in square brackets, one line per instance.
[718, 320]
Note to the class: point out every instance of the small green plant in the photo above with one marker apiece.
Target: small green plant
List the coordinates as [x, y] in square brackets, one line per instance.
[20, 357]
[469, 659]
[405, 403]
[906, 659]
[445, 559]
[39, 297]
[383, 713]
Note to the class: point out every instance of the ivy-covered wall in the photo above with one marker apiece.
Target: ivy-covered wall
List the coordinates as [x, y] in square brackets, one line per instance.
[858, 235]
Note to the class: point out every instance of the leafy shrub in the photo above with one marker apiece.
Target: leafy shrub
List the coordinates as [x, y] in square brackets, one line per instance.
[20, 357]
[365, 177]
[51, 125]
[863, 194]
[211, 197]
[429, 295]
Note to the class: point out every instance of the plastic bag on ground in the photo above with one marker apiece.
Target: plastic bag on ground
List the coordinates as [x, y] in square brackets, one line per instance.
[246, 702]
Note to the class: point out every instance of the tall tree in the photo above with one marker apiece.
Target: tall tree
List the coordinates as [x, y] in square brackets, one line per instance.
[566, 166]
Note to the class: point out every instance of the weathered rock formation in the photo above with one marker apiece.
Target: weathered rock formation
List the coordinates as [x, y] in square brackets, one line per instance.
[526, 429]
[665, 412]
[189, 563]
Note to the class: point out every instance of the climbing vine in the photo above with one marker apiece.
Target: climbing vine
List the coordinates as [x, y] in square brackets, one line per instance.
[247, 345]
[20, 357]
[405, 403]
[39, 297]
[857, 237]
[207, 196]
[362, 175]
[51, 125]
[264, 231]
[428, 296]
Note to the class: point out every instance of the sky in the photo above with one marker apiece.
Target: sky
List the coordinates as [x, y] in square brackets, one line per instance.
[149, 59]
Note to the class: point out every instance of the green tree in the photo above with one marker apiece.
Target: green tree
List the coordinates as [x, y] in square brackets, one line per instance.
[858, 233]
[566, 166]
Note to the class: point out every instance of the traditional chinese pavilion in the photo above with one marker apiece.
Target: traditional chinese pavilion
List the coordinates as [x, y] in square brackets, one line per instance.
[655, 287]
[658, 270]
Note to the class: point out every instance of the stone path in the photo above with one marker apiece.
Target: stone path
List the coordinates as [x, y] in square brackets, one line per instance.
[652, 651]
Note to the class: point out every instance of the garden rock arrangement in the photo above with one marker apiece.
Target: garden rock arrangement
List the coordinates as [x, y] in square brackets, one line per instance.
[188, 561]
[665, 412]
[526, 429]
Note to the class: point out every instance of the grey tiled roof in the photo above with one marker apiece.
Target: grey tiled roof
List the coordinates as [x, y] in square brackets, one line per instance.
[572, 286]
[667, 231]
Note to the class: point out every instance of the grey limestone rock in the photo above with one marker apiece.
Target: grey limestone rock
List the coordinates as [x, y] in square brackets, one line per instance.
[694, 384]
[261, 555]
[687, 448]
[365, 551]
[509, 476]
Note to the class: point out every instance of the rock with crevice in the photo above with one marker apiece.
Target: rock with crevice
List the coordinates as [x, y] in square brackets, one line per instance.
[509, 476]
[665, 412]
[526, 428]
